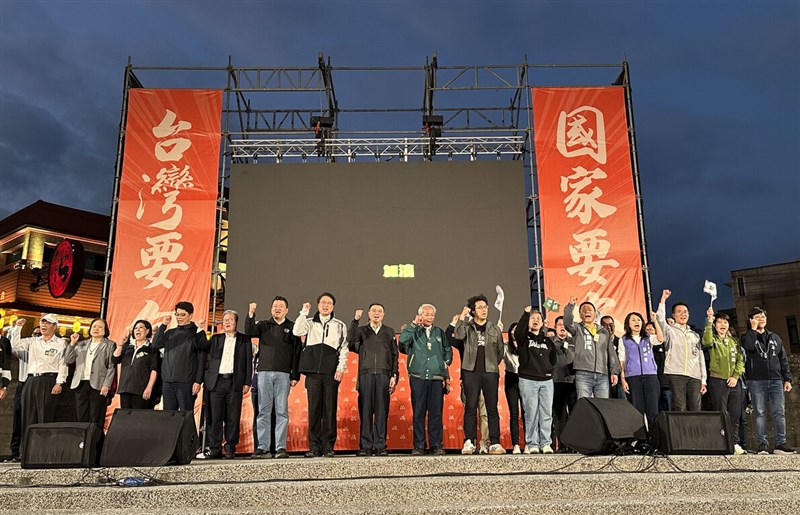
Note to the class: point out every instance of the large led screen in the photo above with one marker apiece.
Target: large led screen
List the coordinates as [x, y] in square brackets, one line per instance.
[401, 234]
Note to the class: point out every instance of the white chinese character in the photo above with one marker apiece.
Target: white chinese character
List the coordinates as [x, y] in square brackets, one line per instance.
[173, 177]
[171, 149]
[582, 204]
[160, 259]
[589, 247]
[171, 223]
[168, 127]
[573, 132]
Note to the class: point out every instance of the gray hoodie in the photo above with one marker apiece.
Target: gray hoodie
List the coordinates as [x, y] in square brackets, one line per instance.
[593, 353]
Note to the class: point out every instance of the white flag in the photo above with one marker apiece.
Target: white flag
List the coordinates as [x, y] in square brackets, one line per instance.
[498, 304]
[711, 289]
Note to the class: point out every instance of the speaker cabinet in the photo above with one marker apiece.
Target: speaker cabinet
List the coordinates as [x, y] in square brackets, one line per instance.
[600, 426]
[692, 432]
[62, 445]
[149, 438]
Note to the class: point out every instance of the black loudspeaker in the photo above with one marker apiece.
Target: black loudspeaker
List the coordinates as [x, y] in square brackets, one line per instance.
[149, 438]
[692, 432]
[62, 445]
[600, 426]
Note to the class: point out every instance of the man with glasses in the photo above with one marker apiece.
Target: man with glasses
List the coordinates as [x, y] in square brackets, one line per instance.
[47, 370]
[324, 362]
[768, 378]
[184, 360]
[684, 366]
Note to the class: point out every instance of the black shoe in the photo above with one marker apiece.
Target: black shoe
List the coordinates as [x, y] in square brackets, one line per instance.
[281, 453]
[328, 454]
[211, 455]
[311, 454]
[763, 449]
[438, 451]
[364, 453]
[229, 455]
[261, 453]
[783, 449]
[381, 452]
[418, 452]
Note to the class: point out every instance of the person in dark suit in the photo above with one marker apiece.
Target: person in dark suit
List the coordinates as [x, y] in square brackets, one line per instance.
[230, 370]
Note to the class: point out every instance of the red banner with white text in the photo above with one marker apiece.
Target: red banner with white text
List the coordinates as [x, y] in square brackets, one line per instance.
[166, 219]
[590, 235]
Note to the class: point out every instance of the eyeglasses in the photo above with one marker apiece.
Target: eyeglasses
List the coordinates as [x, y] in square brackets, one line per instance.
[178, 314]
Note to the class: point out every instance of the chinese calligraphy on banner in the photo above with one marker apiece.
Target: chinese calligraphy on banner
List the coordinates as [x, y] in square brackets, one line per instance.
[590, 236]
[166, 220]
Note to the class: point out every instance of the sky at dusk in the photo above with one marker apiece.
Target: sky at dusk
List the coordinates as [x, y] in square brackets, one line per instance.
[716, 92]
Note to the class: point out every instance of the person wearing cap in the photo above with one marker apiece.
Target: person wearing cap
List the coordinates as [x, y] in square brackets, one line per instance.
[47, 370]
[595, 360]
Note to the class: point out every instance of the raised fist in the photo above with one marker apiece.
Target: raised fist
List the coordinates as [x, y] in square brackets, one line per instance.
[252, 308]
[665, 295]
[73, 339]
[306, 307]
[20, 322]
[167, 320]
[358, 314]
[573, 300]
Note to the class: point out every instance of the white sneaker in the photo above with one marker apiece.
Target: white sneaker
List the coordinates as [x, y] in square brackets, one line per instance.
[516, 450]
[534, 450]
[496, 449]
[468, 448]
[737, 450]
[547, 450]
[527, 450]
[483, 449]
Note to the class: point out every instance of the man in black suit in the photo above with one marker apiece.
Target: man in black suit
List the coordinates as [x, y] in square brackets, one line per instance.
[230, 369]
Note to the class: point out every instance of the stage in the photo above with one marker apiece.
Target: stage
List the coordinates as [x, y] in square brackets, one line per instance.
[400, 483]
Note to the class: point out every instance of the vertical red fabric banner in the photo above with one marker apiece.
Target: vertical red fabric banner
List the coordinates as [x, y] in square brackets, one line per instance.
[590, 235]
[166, 220]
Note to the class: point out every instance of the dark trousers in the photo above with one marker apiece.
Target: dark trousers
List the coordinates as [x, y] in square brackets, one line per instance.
[38, 402]
[373, 409]
[474, 384]
[685, 392]
[515, 408]
[725, 398]
[323, 395]
[178, 396]
[225, 408]
[744, 401]
[16, 428]
[645, 395]
[427, 398]
[134, 401]
[90, 406]
[564, 398]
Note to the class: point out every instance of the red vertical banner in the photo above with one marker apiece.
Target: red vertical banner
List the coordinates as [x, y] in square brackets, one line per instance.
[166, 218]
[590, 236]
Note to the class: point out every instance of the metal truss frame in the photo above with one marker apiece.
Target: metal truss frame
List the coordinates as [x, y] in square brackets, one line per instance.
[467, 112]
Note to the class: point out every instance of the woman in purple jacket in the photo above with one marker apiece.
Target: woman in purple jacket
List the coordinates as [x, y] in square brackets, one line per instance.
[639, 373]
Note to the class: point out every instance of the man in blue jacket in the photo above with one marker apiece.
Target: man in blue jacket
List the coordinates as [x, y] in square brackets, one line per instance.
[429, 355]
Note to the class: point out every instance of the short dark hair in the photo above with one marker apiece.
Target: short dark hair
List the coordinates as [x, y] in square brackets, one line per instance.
[559, 317]
[326, 294]
[472, 301]
[186, 306]
[756, 311]
[719, 316]
[587, 302]
[605, 317]
[679, 303]
[147, 326]
[376, 304]
[550, 330]
[106, 332]
[282, 299]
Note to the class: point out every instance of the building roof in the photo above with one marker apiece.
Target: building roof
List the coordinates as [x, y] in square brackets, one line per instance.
[767, 266]
[58, 218]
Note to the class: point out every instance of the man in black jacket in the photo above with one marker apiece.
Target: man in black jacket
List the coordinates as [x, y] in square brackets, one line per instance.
[230, 369]
[377, 377]
[278, 353]
[184, 360]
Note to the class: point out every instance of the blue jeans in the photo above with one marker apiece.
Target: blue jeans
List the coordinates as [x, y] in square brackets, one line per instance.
[761, 392]
[537, 401]
[591, 384]
[273, 387]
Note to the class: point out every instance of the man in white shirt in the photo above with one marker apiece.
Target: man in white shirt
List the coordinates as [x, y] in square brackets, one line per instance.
[47, 370]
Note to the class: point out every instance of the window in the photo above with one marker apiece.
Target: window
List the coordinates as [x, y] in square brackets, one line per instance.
[791, 329]
[740, 286]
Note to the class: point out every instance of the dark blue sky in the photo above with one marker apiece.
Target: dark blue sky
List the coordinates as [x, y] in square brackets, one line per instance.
[716, 90]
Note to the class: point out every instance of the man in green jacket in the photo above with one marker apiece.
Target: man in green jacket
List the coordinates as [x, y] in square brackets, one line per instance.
[429, 355]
